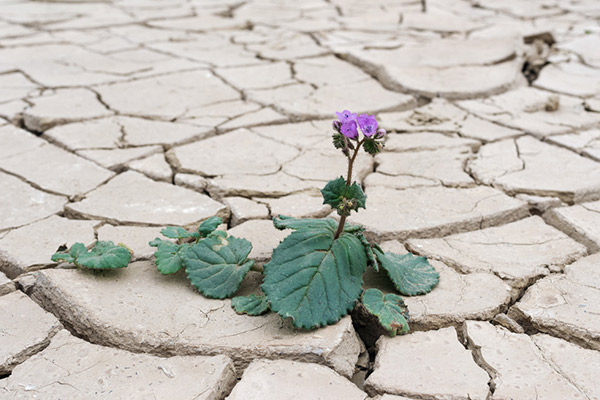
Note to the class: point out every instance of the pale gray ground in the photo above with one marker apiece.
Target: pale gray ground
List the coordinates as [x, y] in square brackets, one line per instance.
[119, 117]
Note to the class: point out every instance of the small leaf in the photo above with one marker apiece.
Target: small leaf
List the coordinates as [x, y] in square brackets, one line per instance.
[312, 278]
[352, 228]
[355, 192]
[343, 197]
[208, 226]
[373, 146]
[285, 222]
[168, 255]
[338, 141]
[156, 242]
[69, 255]
[62, 256]
[177, 232]
[217, 265]
[222, 234]
[390, 310]
[341, 142]
[251, 305]
[333, 192]
[411, 275]
[372, 260]
[78, 249]
[104, 255]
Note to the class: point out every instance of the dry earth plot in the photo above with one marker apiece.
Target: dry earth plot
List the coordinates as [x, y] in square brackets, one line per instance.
[118, 117]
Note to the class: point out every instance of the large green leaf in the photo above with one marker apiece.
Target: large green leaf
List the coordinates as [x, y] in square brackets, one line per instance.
[168, 255]
[104, 255]
[312, 278]
[217, 265]
[411, 275]
[252, 304]
[390, 310]
[341, 196]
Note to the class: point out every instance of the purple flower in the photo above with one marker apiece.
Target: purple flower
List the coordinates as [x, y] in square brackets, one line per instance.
[346, 116]
[368, 124]
[349, 129]
[380, 133]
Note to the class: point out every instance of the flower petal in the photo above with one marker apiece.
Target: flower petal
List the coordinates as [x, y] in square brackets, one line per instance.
[346, 116]
[349, 129]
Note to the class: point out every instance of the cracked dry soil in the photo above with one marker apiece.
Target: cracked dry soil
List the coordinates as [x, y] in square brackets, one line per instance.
[120, 117]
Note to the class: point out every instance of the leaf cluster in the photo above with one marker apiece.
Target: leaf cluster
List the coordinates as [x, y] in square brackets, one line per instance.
[168, 255]
[315, 279]
[214, 262]
[103, 255]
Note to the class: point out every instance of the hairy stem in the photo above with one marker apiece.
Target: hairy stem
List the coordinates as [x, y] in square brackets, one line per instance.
[348, 182]
[340, 227]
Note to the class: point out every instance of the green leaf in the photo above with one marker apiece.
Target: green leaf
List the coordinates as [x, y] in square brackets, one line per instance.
[333, 192]
[411, 275]
[342, 142]
[78, 249]
[338, 141]
[104, 255]
[352, 228]
[342, 197]
[217, 265]
[70, 255]
[285, 222]
[373, 146]
[371, 259]
[312, 278]
[222, 234]
[62, 256]
[251, 305]
[355, 192]
[390, 310]
[167, 256]
[156, 242]
[177, 232]
[208, 226]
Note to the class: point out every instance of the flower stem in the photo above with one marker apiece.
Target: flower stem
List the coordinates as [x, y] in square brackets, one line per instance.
[351, 160]
[340, 227]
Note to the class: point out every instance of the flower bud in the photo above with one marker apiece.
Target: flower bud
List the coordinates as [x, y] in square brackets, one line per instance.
[380, 133]
[337, 125]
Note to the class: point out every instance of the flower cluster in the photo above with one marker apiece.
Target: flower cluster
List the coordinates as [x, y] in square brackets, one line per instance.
[348, 123]
[346, 127]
